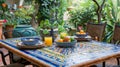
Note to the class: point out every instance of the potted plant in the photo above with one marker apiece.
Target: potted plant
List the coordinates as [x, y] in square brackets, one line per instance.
[46, 28]
[24, 28]
[10, 24]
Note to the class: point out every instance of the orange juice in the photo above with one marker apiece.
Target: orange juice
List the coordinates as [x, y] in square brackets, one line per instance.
[48, 41]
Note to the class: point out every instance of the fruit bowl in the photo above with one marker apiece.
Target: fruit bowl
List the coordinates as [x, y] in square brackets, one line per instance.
[66, 44]
[30, 41]
[81, 35]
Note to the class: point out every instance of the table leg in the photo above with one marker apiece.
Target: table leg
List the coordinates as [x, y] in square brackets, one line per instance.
[103, 64]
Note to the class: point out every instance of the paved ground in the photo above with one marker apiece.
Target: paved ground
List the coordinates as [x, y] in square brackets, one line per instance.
[110, 63]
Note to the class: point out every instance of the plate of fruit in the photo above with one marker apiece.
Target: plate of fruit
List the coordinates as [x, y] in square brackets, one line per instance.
[81, 34]
[66, 41]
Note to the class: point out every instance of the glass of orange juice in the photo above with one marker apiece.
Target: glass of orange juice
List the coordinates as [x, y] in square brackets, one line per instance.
[48, 41]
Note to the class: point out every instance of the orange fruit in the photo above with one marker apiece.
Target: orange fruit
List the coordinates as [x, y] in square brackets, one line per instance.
[60, 40]
[66, 39]
[81, 31]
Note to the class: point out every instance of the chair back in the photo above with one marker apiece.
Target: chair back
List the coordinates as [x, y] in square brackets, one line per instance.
[116, 34]
[96, 31]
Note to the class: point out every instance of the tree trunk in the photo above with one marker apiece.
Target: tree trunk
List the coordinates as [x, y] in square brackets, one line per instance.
[34, 22]
[99, 17]
[99, 9]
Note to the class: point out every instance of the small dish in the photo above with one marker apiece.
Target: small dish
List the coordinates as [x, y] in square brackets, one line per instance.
[81, 35]
[30, 41]
[86, 38]
[39, 45]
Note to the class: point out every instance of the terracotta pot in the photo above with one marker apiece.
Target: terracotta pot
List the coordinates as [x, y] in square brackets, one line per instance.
[1, 23]
[9, 31]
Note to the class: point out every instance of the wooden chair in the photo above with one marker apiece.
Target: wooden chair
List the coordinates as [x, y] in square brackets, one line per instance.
[14, 58]
[96, 31]
[116, 38]
[14, 65]
[9, 65]
[116, 35]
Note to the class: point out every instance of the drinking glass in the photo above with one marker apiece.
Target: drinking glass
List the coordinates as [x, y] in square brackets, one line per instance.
[48, 41]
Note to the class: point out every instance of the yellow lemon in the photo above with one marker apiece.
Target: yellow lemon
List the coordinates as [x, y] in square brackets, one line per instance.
[63, 34]
[77, 32]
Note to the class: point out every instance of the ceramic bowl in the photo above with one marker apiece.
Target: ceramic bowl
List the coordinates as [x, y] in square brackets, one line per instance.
[66, 44]
[30, 41]
[81, 35]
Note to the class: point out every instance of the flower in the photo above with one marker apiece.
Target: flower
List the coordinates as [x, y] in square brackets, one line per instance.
[4, 5]
[4, 21]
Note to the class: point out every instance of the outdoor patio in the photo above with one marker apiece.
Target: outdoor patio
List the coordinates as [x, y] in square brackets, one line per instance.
[88, 24]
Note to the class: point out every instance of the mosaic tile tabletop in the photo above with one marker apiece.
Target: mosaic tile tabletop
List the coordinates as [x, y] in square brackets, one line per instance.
[58, 57]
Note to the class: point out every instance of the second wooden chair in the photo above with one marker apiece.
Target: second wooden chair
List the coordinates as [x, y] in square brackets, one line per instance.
[96, 31]
[116, 39]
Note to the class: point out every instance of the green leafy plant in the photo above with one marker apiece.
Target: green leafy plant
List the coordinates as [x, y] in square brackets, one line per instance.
[11, 19]
[80, 17]
[3, 5]
[45, 31]
[115, 10]
[23, 15]
[46, 26]
[52, 10]
[3, 9]
[61, 27]
[112, 16]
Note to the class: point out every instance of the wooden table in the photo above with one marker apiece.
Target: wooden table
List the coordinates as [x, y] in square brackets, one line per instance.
[82, 55]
